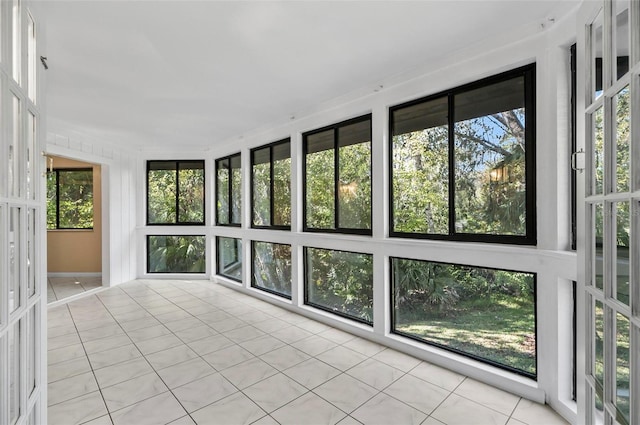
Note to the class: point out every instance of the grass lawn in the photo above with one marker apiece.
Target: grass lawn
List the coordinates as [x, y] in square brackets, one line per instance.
[501, 329]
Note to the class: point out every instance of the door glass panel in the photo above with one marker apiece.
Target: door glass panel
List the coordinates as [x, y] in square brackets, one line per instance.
[31, 152]
[14, 151]
[31, 58]
[598, 260]
[31, 351]
[622, 252]
[621, 398]
[15, 239]
[14, 373]
[598, 153]
[596, 55]
[16, 39]
[623, 139]
[598, 367]
[621, 37]
[31, 252]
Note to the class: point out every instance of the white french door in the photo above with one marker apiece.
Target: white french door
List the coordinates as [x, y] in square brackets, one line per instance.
[609, 100]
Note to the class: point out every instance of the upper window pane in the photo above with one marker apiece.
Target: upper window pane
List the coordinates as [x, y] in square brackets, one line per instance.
[338, 177]
[490, 166]
[420, 141]
[70, 199]
[175, 192]
[271, 185]
[462, 162]
[228, 190]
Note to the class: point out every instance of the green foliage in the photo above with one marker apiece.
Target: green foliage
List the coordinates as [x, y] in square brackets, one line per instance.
[74, 196]
[272, 267]
[177, 254]
[485, 312]
[341, 281]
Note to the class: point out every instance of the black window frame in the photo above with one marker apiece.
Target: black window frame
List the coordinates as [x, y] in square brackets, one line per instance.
[57, 171]
[392, 322]
[321, 307]
[177, 170]
[528, 72]
[229, 190]
[253, 279]
[336, 163]
[270, 146]
[237, 249]
[172, 235]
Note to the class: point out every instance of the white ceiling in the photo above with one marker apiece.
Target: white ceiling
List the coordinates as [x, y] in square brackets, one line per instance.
[183, 74]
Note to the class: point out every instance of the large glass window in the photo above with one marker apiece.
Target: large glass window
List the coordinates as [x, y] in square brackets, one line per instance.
[70, 199]
[271, 186]
[229, 258]
[228, 191]
[272, 268]
[176, 254]
[483, 313]
[175, 192]
[337, 172]
[340, 282]
[463, 162]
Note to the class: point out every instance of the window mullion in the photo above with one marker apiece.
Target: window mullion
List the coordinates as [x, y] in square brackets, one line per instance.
[178, 192]
[336, 177]
[452, 191]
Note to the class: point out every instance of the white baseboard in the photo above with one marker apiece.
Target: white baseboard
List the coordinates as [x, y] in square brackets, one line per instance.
[79, 274]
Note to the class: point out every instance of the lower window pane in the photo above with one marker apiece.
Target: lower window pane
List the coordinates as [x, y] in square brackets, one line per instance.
[176, 254]
[340, 282]
[272, 268]
[622, 369]
[14, 373]
[484, 313]
[229, 262]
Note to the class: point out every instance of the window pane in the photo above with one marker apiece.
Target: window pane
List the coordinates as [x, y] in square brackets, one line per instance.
[14, 373]
[261, 175]
[623, 225]
[31, 251]
[31, 152]
[598, 153]
[16, 39]
[598, 367]
[15, 240]
[596, 55]
[31, 57]
[176, 254]
[161, 184]
[191, 192]
[354, 176]
[236, 190]
[229, 262]
[75, 199]
[621, 28]
[340, 282]
[320, 180]
[485, 313]
[490, 184]
[623, 139]
[622, 369]
[52, 200]
[222, 188]
[272, 267]
[282, 184]
[598, 262]
[15, 148]
[31, 351]
[421, 168]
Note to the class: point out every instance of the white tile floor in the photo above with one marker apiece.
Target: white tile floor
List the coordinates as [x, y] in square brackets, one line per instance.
[159, 352]
[59, 288]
